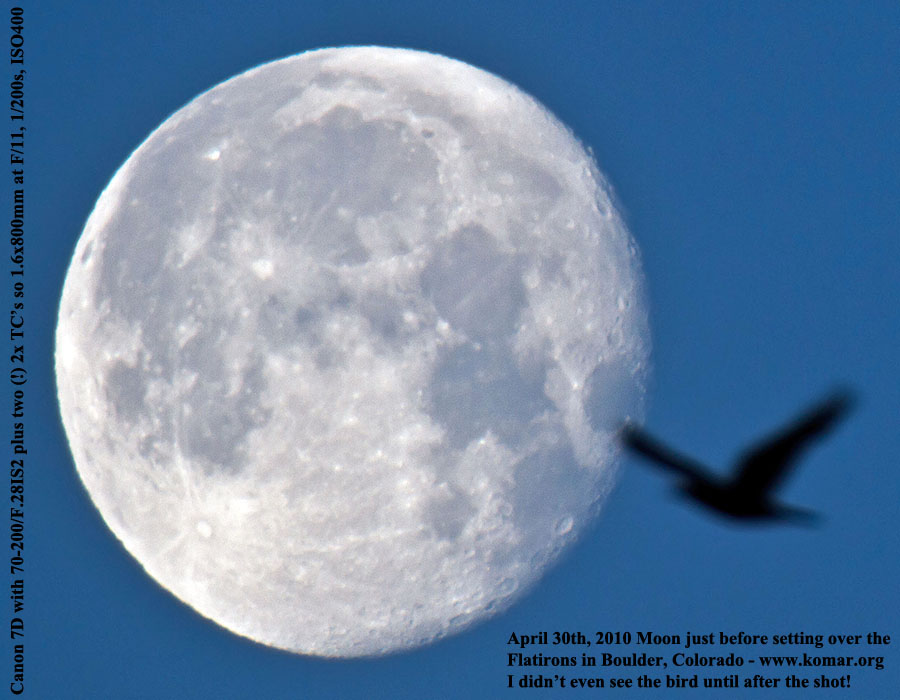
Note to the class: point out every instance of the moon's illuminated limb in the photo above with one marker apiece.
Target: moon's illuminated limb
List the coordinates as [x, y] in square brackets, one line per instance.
[342, 347]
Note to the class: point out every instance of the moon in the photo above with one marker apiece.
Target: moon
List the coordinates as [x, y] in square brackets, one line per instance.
[344, 345]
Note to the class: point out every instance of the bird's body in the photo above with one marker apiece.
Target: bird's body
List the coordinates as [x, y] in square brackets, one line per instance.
[749, 492]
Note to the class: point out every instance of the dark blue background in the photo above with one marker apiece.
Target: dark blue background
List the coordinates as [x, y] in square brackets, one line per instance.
[755, 150]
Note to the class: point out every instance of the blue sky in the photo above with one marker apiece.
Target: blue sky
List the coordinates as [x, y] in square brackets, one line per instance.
[755, 152]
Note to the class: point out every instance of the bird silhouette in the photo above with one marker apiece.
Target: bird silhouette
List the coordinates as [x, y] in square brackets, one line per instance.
[748, 493]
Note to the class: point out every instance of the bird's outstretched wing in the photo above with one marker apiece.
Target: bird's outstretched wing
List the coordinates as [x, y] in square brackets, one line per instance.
[762, 467]
[639, 441]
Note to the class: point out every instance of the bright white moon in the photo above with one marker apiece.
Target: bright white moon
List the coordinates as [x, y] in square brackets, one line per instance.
[343, 346]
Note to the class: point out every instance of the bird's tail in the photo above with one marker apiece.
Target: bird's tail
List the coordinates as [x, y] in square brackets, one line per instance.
[798, 516]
